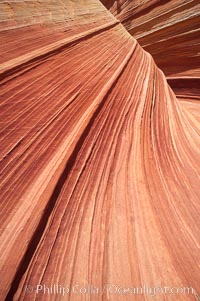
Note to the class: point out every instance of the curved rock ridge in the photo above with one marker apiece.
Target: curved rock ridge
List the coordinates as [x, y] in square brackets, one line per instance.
[169, 30]
[99, 159]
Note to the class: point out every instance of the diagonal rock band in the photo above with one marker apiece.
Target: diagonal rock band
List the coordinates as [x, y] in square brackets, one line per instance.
[99, 150]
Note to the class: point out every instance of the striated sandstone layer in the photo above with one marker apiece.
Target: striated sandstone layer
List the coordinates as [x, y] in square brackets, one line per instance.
[169, 30]
[99, 159]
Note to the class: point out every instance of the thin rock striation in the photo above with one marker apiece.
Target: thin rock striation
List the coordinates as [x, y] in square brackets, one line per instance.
[99, 158]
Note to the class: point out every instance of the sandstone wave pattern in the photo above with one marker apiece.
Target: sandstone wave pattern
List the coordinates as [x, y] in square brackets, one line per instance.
[100, 150]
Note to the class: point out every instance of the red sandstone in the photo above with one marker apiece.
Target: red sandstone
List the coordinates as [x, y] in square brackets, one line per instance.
[99, 156]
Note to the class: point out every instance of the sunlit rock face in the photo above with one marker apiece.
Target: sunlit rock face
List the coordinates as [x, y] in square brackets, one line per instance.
[99, 159]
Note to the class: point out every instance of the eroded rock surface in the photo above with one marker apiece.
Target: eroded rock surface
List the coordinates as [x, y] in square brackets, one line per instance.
[99, 159]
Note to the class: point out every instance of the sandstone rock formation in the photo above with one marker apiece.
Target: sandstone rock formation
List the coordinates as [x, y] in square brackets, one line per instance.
[99, 158]
[169, 30]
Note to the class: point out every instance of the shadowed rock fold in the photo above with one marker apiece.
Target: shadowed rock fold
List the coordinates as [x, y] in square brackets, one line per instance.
[99, 158]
